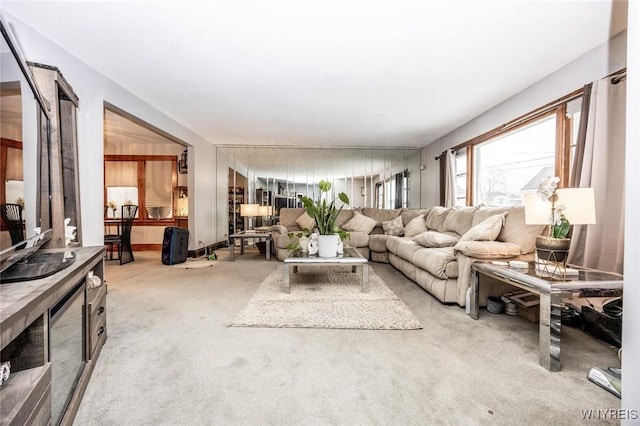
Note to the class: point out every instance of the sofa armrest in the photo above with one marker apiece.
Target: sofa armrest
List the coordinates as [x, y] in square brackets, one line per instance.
[278, 230]
[487, 249]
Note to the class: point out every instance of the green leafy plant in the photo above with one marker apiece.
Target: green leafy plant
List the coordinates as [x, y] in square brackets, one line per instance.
[323, 212]
[293, 244]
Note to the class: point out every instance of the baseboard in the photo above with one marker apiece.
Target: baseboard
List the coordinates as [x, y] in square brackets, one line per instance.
[190, 253]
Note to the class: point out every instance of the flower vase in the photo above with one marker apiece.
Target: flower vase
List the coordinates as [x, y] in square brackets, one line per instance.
[551, 249]
[114, 213]
[304, 243]
[328, 245]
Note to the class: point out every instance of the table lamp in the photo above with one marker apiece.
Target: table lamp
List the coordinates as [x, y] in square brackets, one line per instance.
[249, 211]
[579, 209]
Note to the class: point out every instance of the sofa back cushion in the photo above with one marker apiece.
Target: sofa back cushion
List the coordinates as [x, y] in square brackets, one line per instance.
[487, 230]
[514, 229]
[393, 227]
[436, 217]
[459, 219]
[415, 226]
[360, 223]
[408, 214]
[288, 217]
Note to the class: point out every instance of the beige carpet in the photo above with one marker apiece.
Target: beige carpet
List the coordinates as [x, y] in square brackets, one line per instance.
[326, 297]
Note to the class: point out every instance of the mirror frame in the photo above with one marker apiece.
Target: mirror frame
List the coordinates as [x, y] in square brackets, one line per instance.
[43, 190]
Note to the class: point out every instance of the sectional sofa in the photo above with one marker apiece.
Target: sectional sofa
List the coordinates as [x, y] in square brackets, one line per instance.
[433, 247]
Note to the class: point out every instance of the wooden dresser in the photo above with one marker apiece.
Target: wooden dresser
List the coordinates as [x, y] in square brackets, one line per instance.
[52, 330]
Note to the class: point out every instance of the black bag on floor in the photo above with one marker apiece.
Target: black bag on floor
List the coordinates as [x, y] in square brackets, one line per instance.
[605, 325]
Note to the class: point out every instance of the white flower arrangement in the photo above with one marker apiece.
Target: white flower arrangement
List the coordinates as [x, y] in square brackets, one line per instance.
[559, 225]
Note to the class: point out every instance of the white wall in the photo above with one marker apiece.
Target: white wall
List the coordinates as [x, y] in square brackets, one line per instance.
[599, 62]
[93, 89]
[631, 322]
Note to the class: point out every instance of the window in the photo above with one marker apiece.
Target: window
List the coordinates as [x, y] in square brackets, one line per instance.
[393, 193]
[499, 166]
[147, 181]
[510, 164]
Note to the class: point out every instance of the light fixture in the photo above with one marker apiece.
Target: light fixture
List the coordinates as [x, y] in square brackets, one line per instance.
[265, 211]
[579, 209]
[182, 163]
[249, 211]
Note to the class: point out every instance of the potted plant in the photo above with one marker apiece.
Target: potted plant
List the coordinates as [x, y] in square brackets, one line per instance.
[325, 214]
[554, 246]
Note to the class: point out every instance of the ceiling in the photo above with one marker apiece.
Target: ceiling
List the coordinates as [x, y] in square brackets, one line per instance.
[324, 73]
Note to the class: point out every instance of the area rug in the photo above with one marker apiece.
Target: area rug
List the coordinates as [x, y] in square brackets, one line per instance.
[326, 297]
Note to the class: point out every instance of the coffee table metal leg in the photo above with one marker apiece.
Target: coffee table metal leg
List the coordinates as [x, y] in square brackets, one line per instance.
[475, 295]
[365, 278]
[550, 329]
[268, 249]
[287, 289]
[231, 249]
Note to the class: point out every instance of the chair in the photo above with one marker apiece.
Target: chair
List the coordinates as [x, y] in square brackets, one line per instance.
[12, 217]
[123, 239]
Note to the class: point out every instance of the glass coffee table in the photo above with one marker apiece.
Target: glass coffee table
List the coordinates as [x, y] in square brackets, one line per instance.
[552, 289]
[351, 257]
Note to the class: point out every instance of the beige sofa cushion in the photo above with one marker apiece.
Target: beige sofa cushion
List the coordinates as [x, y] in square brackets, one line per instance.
[517, 232]
[381, 215]
[435, 239]
[393, 226]
[288, 218]
[378, 243]
[459, 219]
[440, 262]
[436, 217]
[487, 230]
[415, 226]
[360, 223]
[487, 249]
[357, 239]
[408, 214]
[305, 221]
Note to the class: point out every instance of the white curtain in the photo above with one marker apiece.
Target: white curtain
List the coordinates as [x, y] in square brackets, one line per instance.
[601, 246]
[450, 179]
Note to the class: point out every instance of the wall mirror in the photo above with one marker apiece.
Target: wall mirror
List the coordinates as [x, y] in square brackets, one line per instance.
[24, 124]
[279, 176]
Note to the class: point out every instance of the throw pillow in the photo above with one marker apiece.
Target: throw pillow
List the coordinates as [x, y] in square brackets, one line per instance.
[487, 230]
[415, 226]
[487, 249]
[360, 223]
[435, 239]
[393, 227]
[305, 221]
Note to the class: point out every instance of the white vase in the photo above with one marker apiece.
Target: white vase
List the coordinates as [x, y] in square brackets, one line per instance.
[328, 245]
[304, 243]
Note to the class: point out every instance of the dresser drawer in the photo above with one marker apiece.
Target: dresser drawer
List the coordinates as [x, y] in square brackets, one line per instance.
[97, 324]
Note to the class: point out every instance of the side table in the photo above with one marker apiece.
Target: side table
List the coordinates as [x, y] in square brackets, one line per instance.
[249, 235]
[551, 289]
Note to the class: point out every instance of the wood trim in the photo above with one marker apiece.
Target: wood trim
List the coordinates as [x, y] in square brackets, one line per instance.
[470, 169]
[10, 143]
[117, 157]
[563, 145]
[523, 119]
[142, 191]
[146, 247]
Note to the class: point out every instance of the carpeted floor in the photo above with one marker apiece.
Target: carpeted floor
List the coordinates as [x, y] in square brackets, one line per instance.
[171, 359]
[326, 297]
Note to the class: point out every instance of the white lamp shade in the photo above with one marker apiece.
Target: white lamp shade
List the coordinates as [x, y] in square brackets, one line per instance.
[265, 211]
[580, 205]
[579, 202]
[249, 210]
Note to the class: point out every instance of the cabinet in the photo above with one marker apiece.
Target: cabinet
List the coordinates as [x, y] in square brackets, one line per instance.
[51, 330]
[236, 222]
